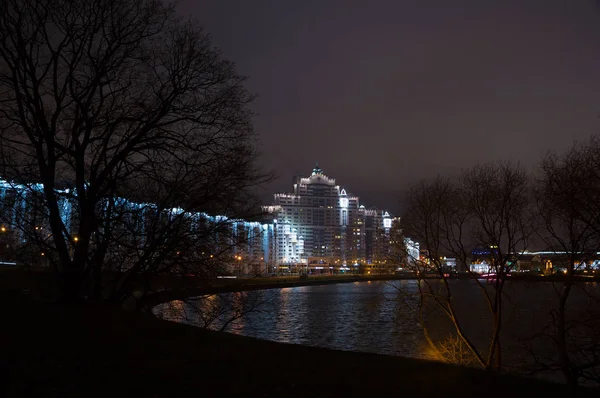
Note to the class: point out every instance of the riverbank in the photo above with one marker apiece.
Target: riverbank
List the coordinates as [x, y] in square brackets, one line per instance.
[56, 351]
[184, 290]
[245, 284]
[175, 287]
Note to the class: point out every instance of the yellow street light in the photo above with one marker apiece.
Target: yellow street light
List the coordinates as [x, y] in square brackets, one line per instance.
[3, 229]
[76, 239]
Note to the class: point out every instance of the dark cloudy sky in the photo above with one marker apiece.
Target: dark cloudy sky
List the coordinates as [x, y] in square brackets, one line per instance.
[384, 93]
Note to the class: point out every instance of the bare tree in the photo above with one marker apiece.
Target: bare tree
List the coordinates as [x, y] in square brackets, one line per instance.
[435, 217]
[499, 197]
[112, 102]
[216, 311]
[567, 202]
[488, 206]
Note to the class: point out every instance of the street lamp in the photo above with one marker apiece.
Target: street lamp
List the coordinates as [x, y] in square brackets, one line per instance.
[239, 265]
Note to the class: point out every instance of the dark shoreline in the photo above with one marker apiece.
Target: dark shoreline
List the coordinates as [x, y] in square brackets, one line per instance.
[54, 350]
[249, 284]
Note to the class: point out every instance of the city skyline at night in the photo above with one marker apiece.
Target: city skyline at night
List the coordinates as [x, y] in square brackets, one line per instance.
[322, 225]
[401, 192]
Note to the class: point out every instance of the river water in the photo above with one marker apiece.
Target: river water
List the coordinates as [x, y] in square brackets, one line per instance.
[383, 317]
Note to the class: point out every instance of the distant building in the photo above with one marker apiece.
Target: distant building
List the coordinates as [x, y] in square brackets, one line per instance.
[318, 228]
[244, 247]
[412, 250]
[555, 261]
[538, 261]
[322, 227]
[450, 262]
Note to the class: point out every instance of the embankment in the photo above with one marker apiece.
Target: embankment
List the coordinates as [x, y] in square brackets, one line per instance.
[81, 351]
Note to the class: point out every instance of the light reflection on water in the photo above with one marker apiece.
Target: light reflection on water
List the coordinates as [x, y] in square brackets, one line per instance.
[365, 316]
[379, 317]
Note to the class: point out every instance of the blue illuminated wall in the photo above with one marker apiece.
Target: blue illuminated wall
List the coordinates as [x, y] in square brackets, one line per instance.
[22, 209]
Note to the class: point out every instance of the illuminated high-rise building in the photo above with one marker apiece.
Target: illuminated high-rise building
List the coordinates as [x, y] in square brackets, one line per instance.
[317, 227]
[321, 226]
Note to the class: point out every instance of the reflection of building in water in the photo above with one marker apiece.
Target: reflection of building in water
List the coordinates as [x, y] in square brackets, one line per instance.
[322, 227]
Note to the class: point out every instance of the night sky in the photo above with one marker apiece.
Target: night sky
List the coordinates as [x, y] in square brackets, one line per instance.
[385, 93]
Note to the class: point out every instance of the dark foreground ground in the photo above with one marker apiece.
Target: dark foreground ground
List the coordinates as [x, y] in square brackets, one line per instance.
[57, 351]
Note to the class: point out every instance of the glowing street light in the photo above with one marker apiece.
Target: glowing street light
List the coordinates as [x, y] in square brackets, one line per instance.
[76, 239]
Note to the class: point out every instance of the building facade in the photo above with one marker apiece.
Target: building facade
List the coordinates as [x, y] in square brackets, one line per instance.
[239, 247]
[321, 227]
[318, 227]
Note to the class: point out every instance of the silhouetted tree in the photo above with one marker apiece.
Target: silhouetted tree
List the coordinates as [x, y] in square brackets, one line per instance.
[487, 206]
[568, 194]
[499, 197]
[106, 100]
[215, 311]
[435, 216]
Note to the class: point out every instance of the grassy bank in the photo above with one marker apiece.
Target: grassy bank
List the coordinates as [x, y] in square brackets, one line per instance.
[56, 351]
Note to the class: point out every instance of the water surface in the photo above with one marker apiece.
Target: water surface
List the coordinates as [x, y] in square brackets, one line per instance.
[381, 317]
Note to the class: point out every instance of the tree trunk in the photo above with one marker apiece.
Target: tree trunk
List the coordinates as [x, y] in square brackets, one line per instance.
[561, 337]
[71, 286]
